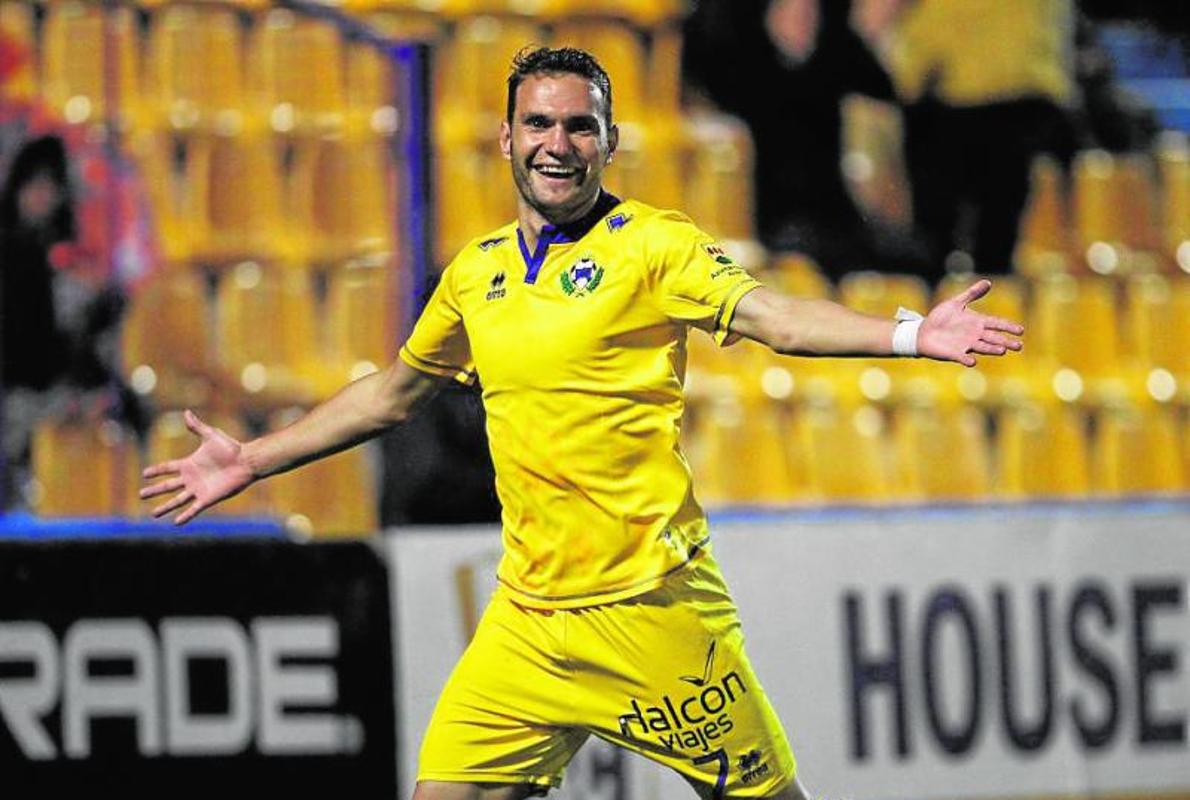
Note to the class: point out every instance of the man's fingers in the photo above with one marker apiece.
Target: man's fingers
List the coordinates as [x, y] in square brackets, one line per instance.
[196, 425]
[1000, 339]
[177, 501]
[164, 468]
[190, 513]
[989, 349]
[164, 487]
[1006, 325]
[974, 292]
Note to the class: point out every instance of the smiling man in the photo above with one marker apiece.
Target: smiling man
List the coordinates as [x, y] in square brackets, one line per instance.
[611, 617]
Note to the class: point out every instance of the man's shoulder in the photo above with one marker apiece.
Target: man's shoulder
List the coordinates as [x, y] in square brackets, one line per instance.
[493, 243]
[635, 216]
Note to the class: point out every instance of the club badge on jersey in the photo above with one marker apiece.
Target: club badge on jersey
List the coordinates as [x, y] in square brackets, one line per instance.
[582, 278]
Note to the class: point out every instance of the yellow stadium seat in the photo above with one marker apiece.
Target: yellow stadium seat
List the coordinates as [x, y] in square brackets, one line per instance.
[84, 467]
[798, 275]
[1041, 451]
[265, 332]
[17, 23]
[169, 439]
[408, 21]
[718, 188]
[165, 343]
[75, 70]
[1045, 243]
[1074, 323]
[234, 185]
[474, 63]
[642, 13]
[845, 452]
[882, 294]
[650, 164]
[1136, 450]
[1173, 163]
[339, 192]
[473, 189]
[371, 90]
[733, 422]
[664, 85]
[152, 153]
[1185, 440]
[1158, 331]
[622, 52]
[332, 497]
[1115, 208]
[197, 66]
[941, 452]
[360, 317]
[297, 72]
[872, 161]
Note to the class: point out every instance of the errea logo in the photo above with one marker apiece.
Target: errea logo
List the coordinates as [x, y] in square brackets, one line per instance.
[496, 288]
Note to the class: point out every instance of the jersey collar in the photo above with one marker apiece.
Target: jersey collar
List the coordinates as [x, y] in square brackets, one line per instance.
[561, 234]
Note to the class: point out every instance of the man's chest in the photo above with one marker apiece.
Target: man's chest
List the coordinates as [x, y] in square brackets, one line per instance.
[584, 307]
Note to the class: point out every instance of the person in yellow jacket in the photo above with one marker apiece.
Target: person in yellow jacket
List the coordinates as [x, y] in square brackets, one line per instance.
[986, 85]
[611, 617]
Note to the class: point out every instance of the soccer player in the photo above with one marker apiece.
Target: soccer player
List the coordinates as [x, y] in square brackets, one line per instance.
[611, 617]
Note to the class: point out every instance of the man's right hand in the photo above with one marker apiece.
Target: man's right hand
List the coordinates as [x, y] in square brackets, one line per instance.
[214, 472]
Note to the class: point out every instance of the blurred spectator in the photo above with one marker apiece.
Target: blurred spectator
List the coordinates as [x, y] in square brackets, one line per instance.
[56, 332]
[987, 85]
[784, 67]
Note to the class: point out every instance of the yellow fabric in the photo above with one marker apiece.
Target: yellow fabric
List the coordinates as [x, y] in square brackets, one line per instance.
[663, 674]
[984, 51]
[582, 384]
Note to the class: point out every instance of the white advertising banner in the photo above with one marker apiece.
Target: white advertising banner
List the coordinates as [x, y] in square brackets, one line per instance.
[912, 654]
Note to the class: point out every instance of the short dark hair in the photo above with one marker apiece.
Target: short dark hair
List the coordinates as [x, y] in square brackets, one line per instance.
[539, 60]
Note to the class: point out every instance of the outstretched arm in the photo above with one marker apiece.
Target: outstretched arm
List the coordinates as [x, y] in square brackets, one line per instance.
[797, 326]
[222, 467]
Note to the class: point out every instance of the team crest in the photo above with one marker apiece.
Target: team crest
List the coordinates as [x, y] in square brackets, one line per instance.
[582, 278]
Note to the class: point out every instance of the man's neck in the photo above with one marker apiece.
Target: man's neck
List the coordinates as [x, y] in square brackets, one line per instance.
[532, 221]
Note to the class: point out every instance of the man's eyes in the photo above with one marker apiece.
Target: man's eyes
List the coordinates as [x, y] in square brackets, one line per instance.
[582, 125]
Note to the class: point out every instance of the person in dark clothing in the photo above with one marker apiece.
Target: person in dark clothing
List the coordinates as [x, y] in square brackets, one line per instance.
[801, 58]
[56, 330]
[35, 214]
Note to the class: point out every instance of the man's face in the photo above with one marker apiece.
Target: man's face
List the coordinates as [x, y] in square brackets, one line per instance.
[558, 143]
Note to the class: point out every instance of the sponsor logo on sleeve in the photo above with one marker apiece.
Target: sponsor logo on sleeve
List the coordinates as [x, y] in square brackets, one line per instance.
[727, 267]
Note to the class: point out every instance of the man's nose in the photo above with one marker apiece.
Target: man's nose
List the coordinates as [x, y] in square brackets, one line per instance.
[558, 140]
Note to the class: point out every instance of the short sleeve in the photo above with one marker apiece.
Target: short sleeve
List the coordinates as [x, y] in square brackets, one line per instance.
[696, 281]
[439, 343]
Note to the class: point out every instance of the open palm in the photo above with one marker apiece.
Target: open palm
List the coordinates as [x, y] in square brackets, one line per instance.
[212, 473]
[953, 332]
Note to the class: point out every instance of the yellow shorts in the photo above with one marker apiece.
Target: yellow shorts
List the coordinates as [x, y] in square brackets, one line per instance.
[663, 674]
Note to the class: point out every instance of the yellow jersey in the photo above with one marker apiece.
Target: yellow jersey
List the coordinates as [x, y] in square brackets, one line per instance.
[580, 348]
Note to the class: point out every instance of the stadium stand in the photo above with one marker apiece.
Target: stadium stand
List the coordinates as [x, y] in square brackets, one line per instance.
[263, 136]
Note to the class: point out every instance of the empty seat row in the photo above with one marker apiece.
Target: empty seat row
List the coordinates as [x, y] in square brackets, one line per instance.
[1115, 214]
[827, 452]
[1092, 340]
[88, 467]
[263, 334]
[225, 197]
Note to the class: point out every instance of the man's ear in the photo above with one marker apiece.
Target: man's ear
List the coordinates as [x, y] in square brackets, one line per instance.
[506, 139]
[613, 141]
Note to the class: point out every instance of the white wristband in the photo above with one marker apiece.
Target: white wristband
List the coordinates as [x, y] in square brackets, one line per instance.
[904, 341]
